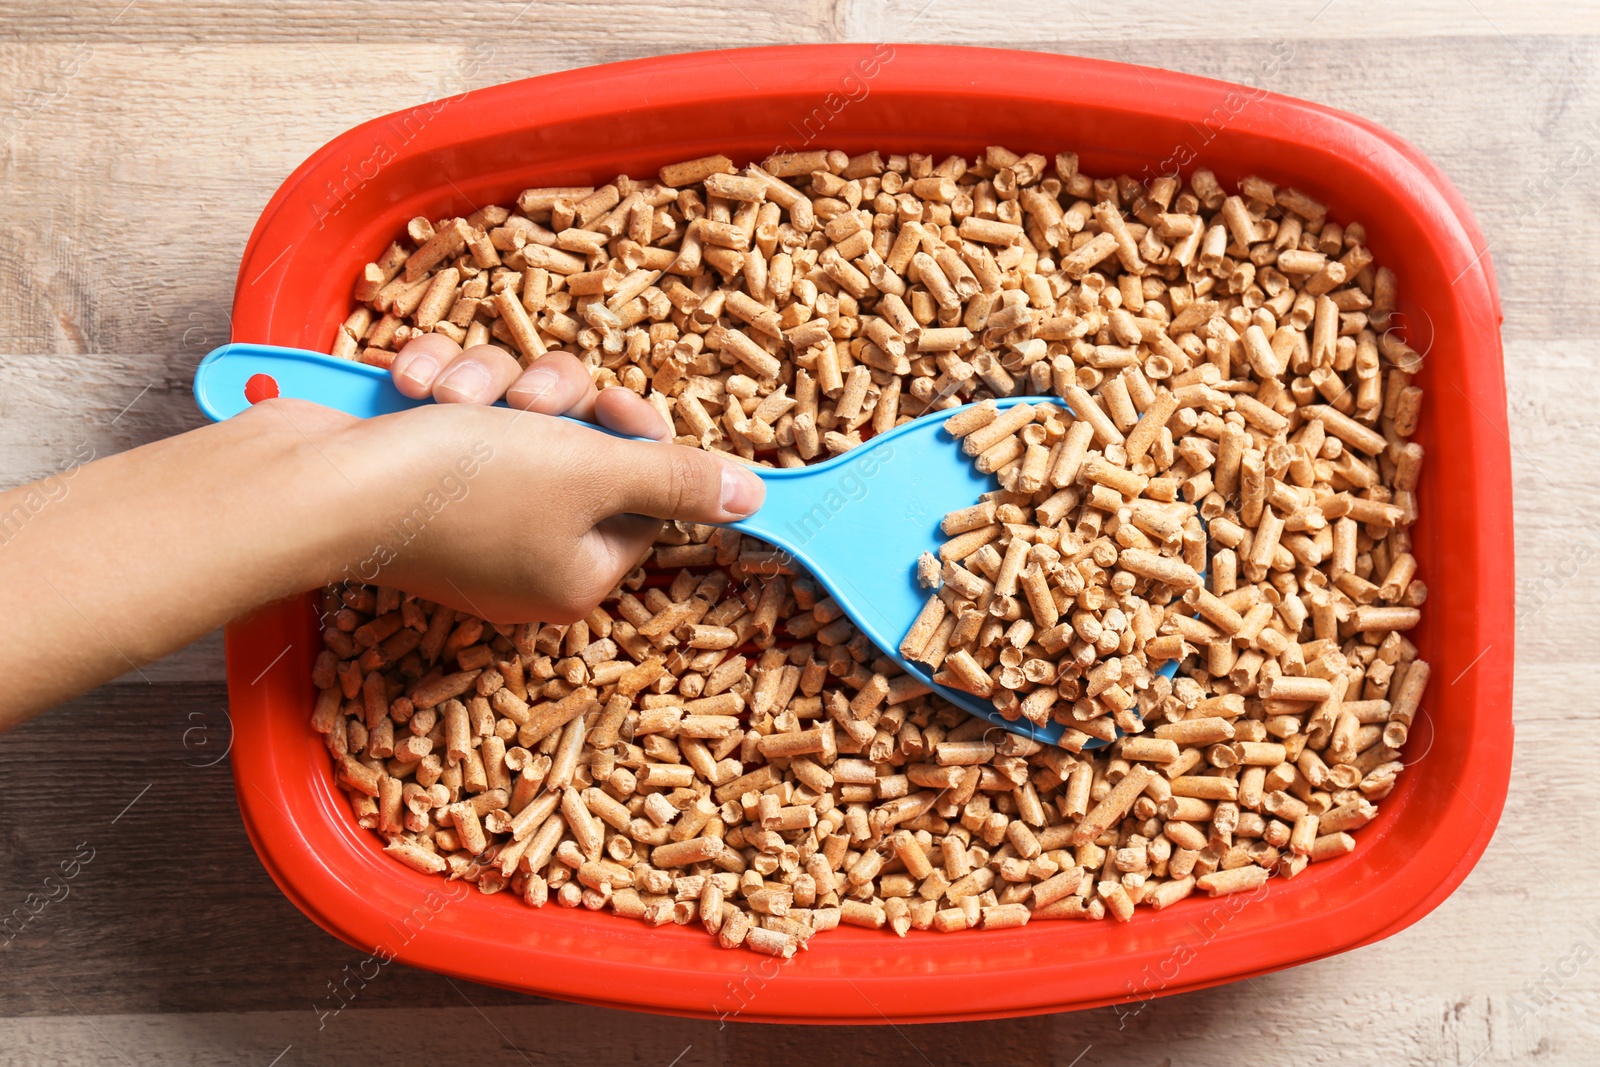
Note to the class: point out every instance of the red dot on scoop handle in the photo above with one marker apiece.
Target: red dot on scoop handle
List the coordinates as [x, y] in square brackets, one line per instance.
[260, 387]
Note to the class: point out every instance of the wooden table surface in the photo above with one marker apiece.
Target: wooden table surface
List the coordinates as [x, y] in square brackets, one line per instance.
[138, 144]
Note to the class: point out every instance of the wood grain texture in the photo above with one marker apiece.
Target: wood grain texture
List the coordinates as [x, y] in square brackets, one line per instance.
[639, 24]
[657, 27]
[172, 911]
[138, 144]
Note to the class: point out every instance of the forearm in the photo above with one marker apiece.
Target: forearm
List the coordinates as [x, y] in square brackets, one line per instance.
[121, 561]
[511, 516]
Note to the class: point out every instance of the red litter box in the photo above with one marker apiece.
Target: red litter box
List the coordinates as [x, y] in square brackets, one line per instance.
[350, 199]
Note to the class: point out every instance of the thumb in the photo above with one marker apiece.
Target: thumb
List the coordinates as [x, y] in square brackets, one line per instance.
[668, 481]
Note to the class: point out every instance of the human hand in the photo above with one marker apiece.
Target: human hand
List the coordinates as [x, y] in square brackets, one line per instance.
[529, 518]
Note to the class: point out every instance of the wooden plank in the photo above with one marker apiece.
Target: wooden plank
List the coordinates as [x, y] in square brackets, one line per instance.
[946, 21]
[659, 26]
[541, 24]
[1257, 1022]
[1555, 454]
[171, 911]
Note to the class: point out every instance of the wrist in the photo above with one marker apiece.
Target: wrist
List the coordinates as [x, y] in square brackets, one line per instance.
[319, 496]
[401, 475]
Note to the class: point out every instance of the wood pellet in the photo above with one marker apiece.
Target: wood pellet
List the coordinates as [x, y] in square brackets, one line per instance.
[717, 745]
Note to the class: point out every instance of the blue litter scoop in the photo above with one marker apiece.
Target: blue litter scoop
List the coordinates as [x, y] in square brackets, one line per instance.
[857, 523]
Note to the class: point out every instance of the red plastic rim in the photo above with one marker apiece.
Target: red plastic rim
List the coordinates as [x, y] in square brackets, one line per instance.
[345, 203]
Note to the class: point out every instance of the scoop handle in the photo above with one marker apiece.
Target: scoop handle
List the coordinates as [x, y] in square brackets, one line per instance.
[234, 376]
